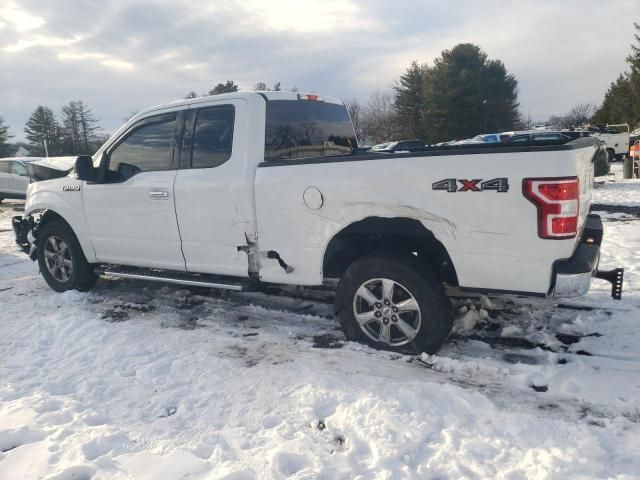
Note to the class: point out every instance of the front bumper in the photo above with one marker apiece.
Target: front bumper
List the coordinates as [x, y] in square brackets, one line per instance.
[23, 228]
[572, 277]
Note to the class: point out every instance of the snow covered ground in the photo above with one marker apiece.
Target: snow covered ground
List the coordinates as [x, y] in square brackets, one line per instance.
[136, 380]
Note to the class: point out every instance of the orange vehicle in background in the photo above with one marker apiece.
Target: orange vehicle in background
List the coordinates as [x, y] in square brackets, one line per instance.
[634, 153]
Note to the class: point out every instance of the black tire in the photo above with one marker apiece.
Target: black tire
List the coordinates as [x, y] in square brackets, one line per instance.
[415, 279]
[81, 276]
[611, 155]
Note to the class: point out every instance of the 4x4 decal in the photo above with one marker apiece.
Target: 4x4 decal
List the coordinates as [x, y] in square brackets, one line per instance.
[500, 185]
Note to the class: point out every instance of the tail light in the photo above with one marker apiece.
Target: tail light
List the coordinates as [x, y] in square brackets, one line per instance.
[557, 201]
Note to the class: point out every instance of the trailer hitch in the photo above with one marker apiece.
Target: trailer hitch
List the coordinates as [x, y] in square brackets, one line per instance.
[615, 277]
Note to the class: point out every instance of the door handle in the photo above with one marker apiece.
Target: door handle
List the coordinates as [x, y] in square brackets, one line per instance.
[159, 194]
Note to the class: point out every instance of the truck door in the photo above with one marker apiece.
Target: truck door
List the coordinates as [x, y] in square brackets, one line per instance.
[214, 189]
[130, 210]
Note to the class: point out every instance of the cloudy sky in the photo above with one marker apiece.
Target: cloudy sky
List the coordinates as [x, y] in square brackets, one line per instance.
[120, 56]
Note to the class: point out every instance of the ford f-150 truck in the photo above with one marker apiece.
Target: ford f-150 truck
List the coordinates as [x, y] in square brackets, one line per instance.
[247, 189]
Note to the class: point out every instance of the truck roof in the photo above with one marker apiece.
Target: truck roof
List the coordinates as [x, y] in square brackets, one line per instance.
[241, 94]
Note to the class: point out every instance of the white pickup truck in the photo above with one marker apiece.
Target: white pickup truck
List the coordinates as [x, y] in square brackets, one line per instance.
[615, 138]
[247, 189]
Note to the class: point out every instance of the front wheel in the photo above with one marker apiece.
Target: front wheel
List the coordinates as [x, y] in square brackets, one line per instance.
[392, 302]
[61, 260]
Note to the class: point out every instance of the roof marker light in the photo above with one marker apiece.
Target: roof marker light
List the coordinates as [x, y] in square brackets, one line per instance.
[312, 97]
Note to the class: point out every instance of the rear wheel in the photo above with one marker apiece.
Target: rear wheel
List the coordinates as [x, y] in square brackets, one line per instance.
[391, 302]
[61, 260]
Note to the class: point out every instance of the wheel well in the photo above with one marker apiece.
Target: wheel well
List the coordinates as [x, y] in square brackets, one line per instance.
[387, 234]
[50, 215]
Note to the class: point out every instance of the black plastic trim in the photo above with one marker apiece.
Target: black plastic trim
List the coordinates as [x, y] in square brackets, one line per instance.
[583, 260]
[440, 151]
[502, 292]
[593, 227]
[13, 196]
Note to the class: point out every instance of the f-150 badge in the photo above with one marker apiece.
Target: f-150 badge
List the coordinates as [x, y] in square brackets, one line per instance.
[452, 185]
[71, 188]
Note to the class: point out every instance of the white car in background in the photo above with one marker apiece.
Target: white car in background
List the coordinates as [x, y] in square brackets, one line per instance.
[17, 173]
[399, 146]
[485, 138]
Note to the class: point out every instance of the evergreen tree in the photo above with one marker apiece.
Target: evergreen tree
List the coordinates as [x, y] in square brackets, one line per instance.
[191, 94]
[228, 87]
[621, 102]
[409, 101]
[465, 93]
[6, 150]
[43, 133]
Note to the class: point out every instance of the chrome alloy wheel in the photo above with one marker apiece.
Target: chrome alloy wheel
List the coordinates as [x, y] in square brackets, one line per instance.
[387, 312]
[57, 258]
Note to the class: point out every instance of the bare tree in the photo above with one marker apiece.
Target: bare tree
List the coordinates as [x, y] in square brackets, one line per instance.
[355, 112]
[263, 87]
[130, 115]
[579, 115]
[378, 118]
[556, 121]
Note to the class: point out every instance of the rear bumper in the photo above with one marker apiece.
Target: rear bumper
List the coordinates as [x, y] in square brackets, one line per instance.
[572, 277]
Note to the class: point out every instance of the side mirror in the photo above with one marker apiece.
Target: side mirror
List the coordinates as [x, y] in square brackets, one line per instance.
[84, 168]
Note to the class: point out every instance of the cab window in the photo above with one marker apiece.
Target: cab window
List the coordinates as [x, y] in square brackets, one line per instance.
[4, 167]
[212, 136]
[146, 148]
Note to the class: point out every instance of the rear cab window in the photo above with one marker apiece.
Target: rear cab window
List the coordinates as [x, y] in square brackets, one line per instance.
[298, 129]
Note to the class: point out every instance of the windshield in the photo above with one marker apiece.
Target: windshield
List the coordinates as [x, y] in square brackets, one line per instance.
[301, 129]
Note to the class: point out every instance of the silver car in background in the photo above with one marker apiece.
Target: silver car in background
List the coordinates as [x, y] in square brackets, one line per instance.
[18, 172]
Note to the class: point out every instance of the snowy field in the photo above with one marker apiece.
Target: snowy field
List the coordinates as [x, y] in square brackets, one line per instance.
[141, 381]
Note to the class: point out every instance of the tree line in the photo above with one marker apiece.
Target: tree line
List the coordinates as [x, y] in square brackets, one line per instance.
[75, 132]
[461, 94]
[230, 86]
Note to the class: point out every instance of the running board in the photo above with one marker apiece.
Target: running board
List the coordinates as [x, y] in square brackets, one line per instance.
[164, 276]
